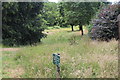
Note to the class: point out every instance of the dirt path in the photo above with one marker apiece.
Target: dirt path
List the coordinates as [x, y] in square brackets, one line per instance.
[9, 49]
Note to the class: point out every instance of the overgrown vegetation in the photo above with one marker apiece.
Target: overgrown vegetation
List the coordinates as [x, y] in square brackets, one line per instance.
[80, 57]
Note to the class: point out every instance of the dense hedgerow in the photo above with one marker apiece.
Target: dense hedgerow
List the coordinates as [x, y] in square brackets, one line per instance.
[105, 27]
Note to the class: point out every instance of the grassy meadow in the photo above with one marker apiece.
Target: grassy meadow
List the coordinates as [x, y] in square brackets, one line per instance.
[81, 57]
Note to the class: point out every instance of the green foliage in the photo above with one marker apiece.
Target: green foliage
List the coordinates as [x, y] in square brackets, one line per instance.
[89, 27]
[80, 13]
[62, 21]
[51, 13]
[22, 23]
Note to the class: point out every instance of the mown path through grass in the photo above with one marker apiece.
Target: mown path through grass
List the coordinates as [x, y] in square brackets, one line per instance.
[9, 49]
[80, 57]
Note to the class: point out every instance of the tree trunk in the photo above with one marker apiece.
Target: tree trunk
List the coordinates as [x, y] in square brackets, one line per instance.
[72, 27]
[81, 29]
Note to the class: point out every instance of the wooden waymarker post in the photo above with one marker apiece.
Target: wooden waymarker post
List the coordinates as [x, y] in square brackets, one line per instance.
[118, 20]
[56, 61]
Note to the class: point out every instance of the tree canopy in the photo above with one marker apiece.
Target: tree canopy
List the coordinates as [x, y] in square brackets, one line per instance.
[22, 23]
[80, 13]
[51, 13]
[105, 26]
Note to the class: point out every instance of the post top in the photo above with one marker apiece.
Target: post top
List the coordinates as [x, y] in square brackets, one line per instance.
[118, 17]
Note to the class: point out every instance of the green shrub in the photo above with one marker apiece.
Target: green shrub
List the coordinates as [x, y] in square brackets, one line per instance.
[22, 23]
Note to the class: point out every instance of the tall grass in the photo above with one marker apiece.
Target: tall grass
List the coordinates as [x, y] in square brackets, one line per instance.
[80, 57]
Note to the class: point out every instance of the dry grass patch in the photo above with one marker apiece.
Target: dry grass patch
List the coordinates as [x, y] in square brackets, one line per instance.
[9, 49]
[15, 73]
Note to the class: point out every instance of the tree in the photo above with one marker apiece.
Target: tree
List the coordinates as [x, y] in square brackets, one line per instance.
[51, 13]
[70, 14]
[22, 23]
[105, 25]
[61, 20]
[80, 13]
[85, 13]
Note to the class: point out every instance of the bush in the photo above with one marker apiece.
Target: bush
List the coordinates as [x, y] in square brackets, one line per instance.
[89, 27]
[22, 23]
[105, 27]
